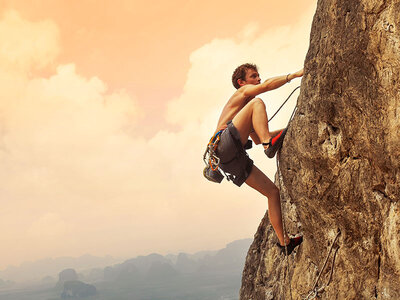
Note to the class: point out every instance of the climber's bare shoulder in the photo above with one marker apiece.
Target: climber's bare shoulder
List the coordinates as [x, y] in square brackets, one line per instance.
[235, 103]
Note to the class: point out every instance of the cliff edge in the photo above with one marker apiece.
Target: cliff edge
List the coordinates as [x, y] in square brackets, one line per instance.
[340, 165]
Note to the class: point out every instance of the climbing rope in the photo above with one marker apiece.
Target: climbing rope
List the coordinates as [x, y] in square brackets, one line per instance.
[284, 102]
[315, 290]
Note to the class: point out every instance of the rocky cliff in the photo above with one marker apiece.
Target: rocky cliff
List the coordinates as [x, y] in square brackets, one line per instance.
[339, 164]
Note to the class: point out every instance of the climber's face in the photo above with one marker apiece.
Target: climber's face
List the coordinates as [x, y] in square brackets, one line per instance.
[252, 77]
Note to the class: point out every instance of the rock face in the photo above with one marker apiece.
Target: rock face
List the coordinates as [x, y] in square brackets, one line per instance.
[340, 164]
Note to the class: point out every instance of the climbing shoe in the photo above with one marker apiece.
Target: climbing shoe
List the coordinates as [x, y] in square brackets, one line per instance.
[294, 242]
[275, 144]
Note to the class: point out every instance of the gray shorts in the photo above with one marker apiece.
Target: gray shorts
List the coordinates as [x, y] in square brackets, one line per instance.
[234, 159]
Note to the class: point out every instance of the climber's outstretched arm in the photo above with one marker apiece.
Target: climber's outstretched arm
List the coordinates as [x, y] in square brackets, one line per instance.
[251, 90]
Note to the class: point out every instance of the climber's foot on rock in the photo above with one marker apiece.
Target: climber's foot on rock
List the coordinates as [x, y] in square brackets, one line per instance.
[294, 242]
[275, 144]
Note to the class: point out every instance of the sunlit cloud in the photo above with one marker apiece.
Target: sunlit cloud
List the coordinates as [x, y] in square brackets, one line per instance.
[23, 44]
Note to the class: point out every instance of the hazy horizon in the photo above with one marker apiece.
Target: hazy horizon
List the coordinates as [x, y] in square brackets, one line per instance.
[105, 111]
[32, 272]
[43, 259]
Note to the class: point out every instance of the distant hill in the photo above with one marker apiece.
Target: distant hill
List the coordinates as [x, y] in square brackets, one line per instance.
[230, 258]
[36, 271]
[205, 276]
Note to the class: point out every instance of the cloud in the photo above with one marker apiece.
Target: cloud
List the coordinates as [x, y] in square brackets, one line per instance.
[66, 142]
[23, 44]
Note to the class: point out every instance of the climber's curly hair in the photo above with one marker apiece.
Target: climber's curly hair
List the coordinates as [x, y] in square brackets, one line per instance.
[240, 73]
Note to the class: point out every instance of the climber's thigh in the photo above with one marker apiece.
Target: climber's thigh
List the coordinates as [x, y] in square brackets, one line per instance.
[243, 121]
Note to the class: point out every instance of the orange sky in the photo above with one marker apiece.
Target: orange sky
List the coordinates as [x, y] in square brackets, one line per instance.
[105, 107]
[143, 47]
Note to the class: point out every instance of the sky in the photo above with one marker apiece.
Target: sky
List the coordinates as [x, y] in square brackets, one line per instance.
[105, 111]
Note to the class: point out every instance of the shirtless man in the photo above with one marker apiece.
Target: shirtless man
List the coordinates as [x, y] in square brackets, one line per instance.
[244, 116]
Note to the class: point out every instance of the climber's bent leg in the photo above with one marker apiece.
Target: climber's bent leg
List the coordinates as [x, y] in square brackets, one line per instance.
[260, 182]
[252, 116]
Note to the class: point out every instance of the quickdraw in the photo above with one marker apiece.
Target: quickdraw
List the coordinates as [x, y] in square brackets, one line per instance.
[210, 158]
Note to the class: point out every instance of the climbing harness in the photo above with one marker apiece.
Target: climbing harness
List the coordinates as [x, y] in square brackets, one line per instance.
[315, 290]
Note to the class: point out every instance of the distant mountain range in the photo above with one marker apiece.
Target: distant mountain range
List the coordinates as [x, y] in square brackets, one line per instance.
[205, 275]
